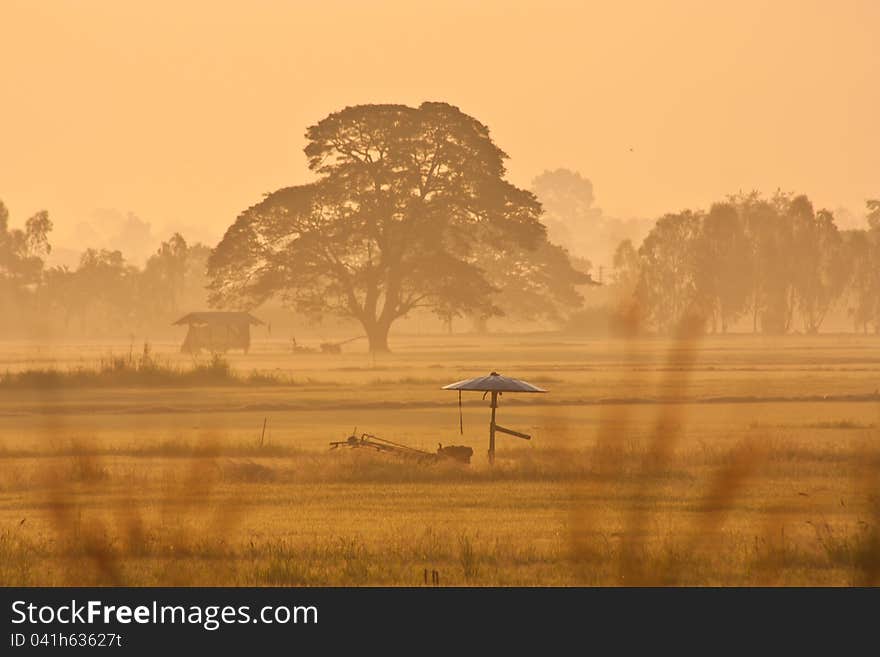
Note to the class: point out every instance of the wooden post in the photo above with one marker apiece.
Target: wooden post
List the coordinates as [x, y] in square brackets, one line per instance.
[492, 429]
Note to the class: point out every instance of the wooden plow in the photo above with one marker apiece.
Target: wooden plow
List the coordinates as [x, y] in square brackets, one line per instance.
[458, 453]
[336, 347]
[324, 347]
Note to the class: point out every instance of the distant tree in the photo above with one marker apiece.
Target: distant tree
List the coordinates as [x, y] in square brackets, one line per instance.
[771, 257]
[862, 249]
[162, 278]
[567, 198]
[59, 295]
[757, 217]
[627, 266]
[539, 284]
[174, 278]
[536, 284]
[722, 253]
[613, 307]
[822, 268]
[195, 277]
[667, 285]
[771, 260]
[862, 252]
[109, 296]
[407, 199]
[575, 222]
[104, 292]
[21, 262]
[22, 251]
[112, 229]
[873, 212]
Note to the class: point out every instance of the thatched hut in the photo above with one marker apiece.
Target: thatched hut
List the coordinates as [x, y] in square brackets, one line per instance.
[217, 331]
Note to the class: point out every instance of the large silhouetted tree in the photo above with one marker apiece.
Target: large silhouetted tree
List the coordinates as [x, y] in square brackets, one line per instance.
[406, 201]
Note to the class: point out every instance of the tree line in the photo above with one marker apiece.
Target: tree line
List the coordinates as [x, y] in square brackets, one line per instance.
[775, 263]
[103, 295]
[411, 212]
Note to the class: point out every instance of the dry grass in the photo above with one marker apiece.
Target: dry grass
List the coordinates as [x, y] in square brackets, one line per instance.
[174, 484]
[143, 369]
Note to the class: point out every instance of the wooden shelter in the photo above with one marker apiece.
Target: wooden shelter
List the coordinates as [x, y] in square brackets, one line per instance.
[217, 331]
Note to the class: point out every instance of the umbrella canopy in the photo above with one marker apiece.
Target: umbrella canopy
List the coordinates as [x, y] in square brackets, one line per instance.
[494, 382]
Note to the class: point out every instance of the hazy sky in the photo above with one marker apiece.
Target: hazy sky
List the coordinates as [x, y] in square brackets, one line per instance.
[186, 112]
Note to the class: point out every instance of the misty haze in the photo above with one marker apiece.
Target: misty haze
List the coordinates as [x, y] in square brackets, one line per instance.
[514, 293]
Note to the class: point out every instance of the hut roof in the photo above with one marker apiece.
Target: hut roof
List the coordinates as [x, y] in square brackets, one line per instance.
[218, 317]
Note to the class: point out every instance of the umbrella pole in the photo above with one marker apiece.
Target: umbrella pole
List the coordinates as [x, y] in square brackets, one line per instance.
[492, 429]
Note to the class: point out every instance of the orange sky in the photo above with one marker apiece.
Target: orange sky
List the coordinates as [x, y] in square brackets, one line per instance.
[186, 112]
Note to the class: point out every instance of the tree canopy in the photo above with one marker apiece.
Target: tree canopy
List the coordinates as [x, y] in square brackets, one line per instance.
[772, 258]
[21, 262]
[410, 210]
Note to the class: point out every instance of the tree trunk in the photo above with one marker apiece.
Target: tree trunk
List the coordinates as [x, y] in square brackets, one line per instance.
[377, 336]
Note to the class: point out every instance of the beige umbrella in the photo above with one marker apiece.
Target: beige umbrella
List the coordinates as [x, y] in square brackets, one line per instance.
[496, 384]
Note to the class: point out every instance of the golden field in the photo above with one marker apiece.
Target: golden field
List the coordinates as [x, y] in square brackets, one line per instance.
[733, 460]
